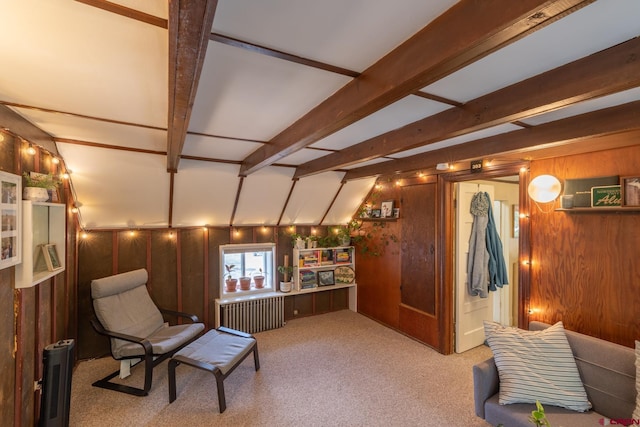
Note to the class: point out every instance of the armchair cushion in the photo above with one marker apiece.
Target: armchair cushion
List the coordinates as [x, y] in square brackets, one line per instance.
[163, 340]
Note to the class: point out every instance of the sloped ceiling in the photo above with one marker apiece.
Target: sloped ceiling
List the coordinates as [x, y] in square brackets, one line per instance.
[278, 112]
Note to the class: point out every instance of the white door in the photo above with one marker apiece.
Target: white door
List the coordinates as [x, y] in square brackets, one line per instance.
[471, 311]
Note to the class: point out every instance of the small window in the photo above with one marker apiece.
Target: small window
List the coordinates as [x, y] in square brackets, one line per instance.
[251, 268]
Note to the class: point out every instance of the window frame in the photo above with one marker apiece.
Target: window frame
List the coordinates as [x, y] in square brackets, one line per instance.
[243, 248]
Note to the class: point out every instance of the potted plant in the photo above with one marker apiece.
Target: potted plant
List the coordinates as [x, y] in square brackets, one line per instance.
[230, 282]
[286, 270]
[258, 279]
[37, 186]
[245, 283]
[297, 241]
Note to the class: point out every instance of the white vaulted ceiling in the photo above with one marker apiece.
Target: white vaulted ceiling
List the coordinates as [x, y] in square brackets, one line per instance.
[265, 140]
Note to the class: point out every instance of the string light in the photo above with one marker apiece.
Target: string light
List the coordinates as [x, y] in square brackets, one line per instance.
[55, 160]
[31, 151]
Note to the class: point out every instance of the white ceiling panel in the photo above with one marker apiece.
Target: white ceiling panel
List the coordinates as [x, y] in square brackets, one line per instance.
[591, 29]
[350, 34]
[484, 133]
[586, 107]
[218, 148]
[311, 198]
[136, 196]
[367, 163]
[71, 58]
[83, 129]
[204, 193]
[349, 200]
[251, 96]
[263, 196]
[396, 115]
[303, 156]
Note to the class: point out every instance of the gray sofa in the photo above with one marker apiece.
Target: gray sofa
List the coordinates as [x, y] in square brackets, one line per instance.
[607, 371]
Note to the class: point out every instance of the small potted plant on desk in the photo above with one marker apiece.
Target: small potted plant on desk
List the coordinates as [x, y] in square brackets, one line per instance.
[231, 283]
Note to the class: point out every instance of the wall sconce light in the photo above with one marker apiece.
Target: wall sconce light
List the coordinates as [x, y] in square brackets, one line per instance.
[31, 151]
[74, 209]
[544, 189]
[55, 160]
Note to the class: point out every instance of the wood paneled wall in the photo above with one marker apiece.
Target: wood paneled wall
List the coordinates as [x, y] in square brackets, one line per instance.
[184, 270]
[31, 318]
[585, 268]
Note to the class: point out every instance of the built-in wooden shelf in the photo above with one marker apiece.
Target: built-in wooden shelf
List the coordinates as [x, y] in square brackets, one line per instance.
[621, 209]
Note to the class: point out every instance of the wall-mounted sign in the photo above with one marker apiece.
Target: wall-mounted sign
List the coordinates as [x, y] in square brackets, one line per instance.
[476, 166]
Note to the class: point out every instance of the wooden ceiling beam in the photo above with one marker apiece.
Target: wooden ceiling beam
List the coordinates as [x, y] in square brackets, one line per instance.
[608, 121]
[602, 73]
[468, 31]
[189, 28]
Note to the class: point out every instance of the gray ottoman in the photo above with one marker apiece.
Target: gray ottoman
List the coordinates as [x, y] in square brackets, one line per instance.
[219, 351]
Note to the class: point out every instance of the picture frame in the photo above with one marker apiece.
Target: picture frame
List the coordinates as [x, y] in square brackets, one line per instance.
[51, 257]
[386, 209]
[630, 189]
[10, 219]
[396, 212]
[375, 213]
[326, 278]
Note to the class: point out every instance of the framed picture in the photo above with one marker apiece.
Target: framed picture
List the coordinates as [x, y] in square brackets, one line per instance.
[396, 212]
[11, 214]
[325, 278]
[386, 209]
[630, 186]
[51, 257]
[375, 213]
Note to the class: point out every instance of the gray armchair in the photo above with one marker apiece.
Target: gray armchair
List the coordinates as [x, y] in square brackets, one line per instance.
[127, 315]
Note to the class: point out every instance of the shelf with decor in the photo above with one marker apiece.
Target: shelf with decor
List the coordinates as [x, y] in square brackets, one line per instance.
[43, 242]
[321, 269]
[619, 209]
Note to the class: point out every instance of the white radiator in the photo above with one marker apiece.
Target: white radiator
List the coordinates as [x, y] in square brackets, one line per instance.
[254, 315]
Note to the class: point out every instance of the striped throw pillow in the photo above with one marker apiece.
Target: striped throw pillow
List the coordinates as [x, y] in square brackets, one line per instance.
[536, 365]
[636, 412]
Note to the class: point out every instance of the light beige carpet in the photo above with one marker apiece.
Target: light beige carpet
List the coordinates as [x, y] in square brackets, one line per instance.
[335, 369]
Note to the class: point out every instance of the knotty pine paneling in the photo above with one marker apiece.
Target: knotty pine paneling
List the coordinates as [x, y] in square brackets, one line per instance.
[585, 268]
[132, 250]
[7, 330]
[95, 260]
[164, 268]
[193, 284]
[217, 237]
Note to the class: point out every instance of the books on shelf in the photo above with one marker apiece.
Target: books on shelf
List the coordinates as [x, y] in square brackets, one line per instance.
[342, 256]
[309, 259]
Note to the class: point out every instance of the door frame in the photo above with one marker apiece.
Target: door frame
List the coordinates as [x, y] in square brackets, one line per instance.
[445, 241]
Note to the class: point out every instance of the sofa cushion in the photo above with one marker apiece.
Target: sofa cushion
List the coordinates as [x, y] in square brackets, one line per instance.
[536, 365]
